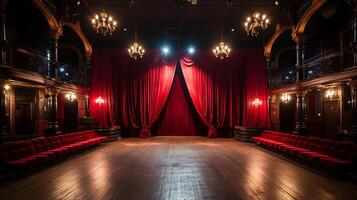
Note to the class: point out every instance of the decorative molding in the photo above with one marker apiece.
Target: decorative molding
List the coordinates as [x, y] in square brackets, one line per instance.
[317, 82]
[77, 29]
[27, 78]
[55, 27]
[277, 33]
[300, 27]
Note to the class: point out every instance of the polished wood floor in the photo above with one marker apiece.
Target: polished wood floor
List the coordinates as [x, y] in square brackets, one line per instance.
[178, 168]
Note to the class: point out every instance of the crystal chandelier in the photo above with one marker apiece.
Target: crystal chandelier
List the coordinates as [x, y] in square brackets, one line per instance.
[222, 50]
[136, 50]
[256, 22]
[103, 23]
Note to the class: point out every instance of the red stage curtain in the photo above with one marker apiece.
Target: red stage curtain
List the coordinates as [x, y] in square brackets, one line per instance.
[141, 89]
[179, 118]
[214, 87]
[222, 91]
[255, 88]
[102, 86]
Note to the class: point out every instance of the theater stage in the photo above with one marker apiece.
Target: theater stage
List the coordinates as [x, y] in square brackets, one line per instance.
[178, 168]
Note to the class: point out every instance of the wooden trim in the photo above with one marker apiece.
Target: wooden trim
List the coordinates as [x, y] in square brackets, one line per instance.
[300, 27]
[317, 82]
[77, 29]
[55, 27]
[27, 78]
[277, 33]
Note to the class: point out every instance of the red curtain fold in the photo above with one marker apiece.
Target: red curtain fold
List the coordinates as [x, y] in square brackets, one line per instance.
[102, 87]
[214, 87]
[179, 118]
[222, 91]
[255, 89]
[141, 89]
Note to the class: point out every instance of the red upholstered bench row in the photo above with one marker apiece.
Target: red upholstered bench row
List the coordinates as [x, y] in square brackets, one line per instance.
[23, 155]
[331, 155]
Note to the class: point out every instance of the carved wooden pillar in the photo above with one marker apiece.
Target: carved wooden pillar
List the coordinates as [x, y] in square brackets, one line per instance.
[301, 113]
[3, 42]
[300, 56]
[53, 127]
[53, 46]
[87, 108]
[353, 131]
[354, 28]
[87, 68]
[268, 69]
[3, 114]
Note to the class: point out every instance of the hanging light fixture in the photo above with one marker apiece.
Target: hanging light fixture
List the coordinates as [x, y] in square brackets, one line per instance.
[285, 97]
[103, 23]
[136, 50]
[222, 50]
[255, 22]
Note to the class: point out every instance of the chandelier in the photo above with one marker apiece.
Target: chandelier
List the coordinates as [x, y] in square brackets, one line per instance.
[103, 23]
[256, 22]
[136, 50]
[285, 97]
[222, 50]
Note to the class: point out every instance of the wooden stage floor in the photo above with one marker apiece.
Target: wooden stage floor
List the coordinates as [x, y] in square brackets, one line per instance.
[177, 168]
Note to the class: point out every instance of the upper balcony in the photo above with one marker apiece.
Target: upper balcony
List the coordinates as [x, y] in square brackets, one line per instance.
[29, 60]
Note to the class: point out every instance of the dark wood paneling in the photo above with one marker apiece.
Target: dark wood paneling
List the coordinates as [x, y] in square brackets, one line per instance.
[331, 118]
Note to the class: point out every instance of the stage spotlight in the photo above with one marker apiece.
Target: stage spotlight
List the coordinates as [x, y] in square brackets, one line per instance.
[165, 50]
[191, 50]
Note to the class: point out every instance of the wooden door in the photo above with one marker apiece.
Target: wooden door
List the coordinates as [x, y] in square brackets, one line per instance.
[331, 118]
[24, 120]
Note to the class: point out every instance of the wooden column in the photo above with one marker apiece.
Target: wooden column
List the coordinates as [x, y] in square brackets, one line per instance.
[300, 57]
[88, 69]
[354, 28]
[87, 108]
[53, 46]
[53, 127]
[301, 113]
[268, 69]
[3, 35]
[353, 131]
[3, 114]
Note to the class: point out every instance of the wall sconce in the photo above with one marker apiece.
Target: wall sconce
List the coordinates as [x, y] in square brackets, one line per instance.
[71, 96]
[99, 100]
[331, 93]
[257, 102]
[285, 97]
[7, 87]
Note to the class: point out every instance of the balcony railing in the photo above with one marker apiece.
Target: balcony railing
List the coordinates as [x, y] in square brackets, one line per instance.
[331, 61]
[22, 57]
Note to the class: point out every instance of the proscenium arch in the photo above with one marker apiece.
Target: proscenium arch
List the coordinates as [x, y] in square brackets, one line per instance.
[52, 22]
[300, 27]
[77, 29]
[277, 33]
